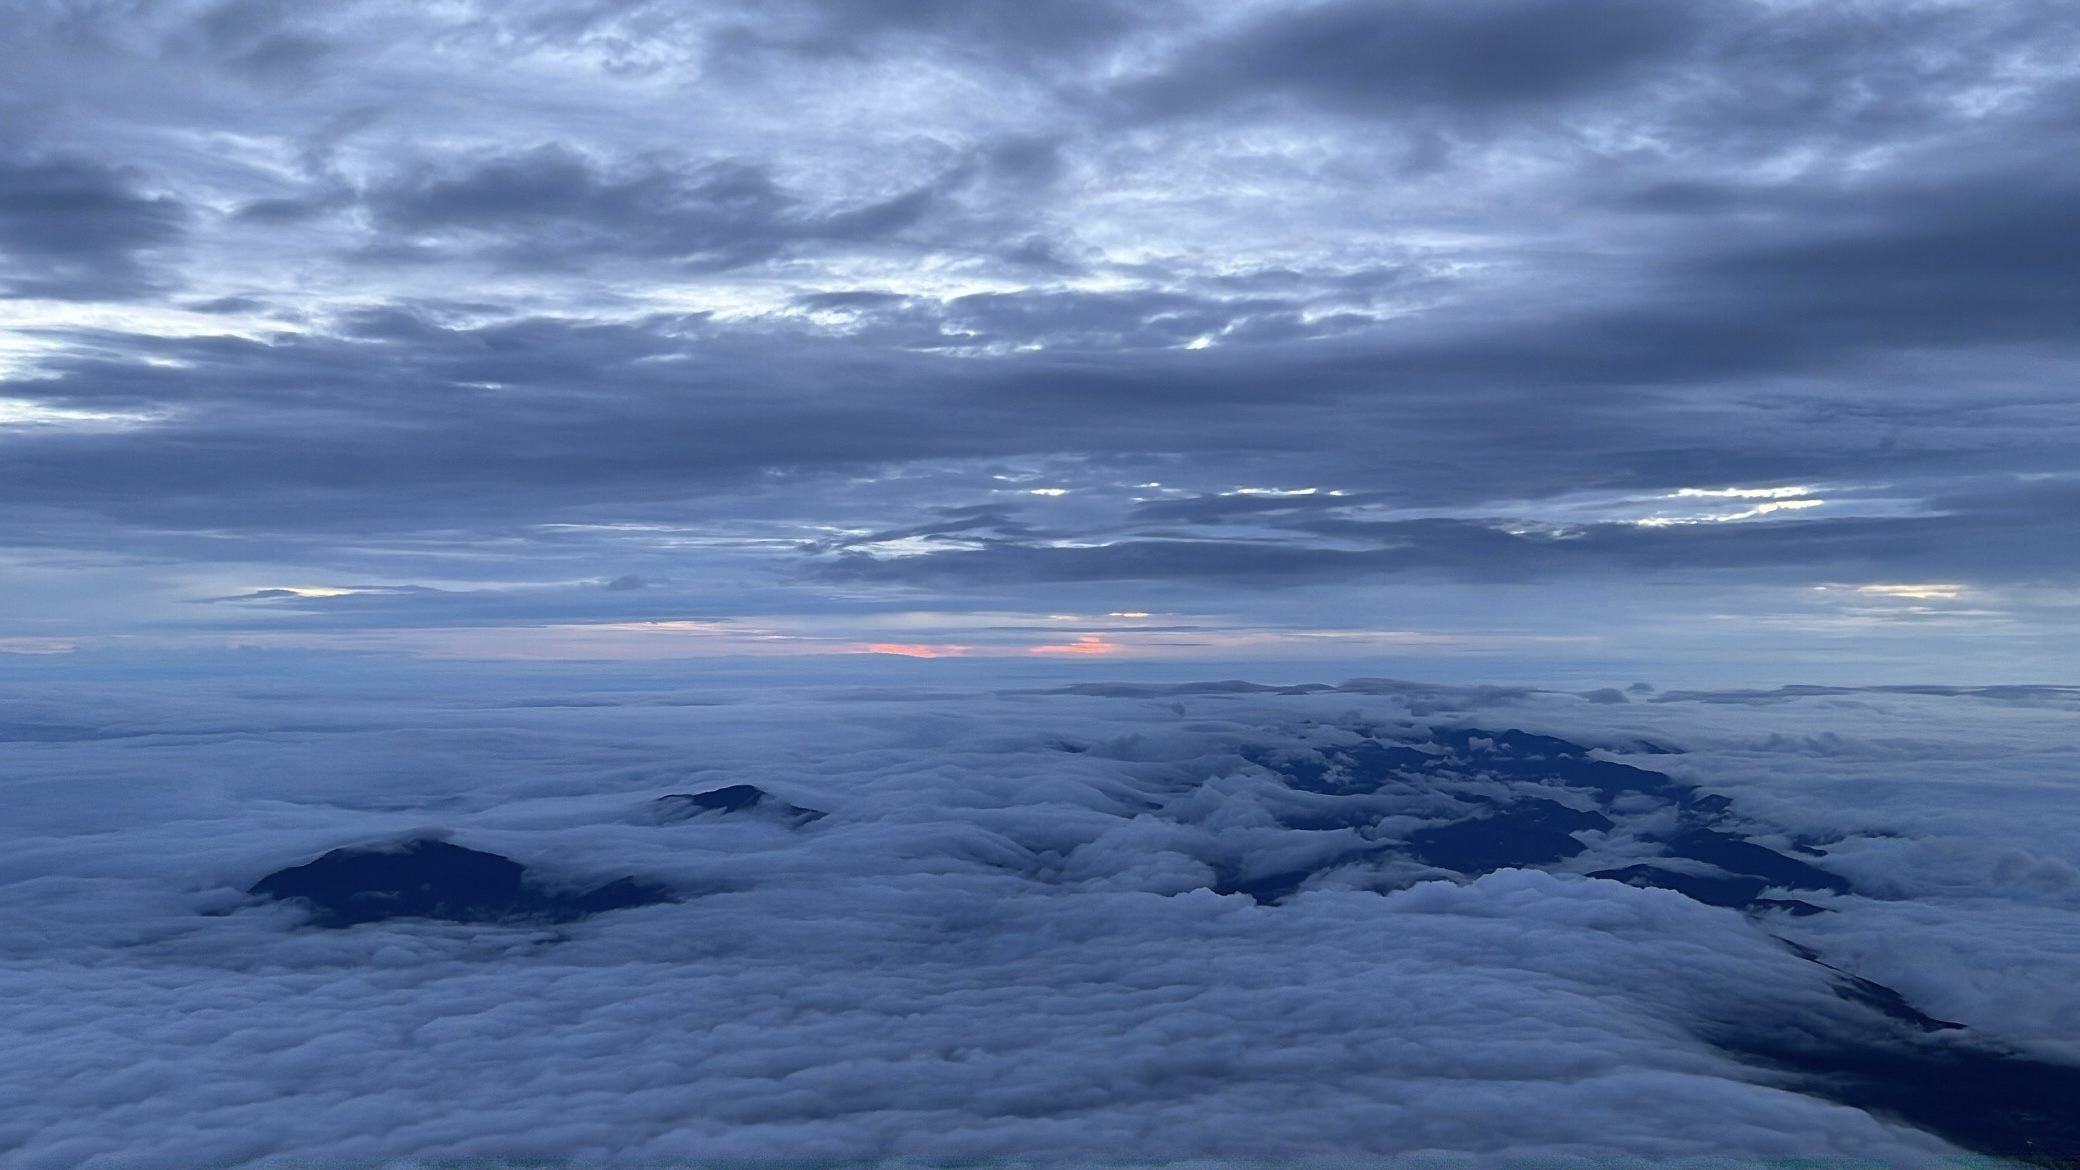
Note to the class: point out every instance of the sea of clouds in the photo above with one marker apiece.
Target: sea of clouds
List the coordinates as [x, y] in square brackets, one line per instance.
[1005, 938]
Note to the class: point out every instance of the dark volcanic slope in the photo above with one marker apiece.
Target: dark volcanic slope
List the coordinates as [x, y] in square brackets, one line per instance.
[1498, 799]
[433, 879]
[1514, 799]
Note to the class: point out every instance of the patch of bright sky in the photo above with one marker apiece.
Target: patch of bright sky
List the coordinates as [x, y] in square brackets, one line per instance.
[31, 330]
[1682, 506]
[947, 278]
[1940, 592]
[27, 412]
[774, 536]
[1721, 517]
[1850, 621]
[37, 646]
[899, 547]
[749, 297]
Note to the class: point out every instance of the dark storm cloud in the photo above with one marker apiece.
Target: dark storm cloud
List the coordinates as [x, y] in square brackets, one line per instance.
[1830, 276]
[1817, 73]
[993, 522]
[1012, 30]
[260, 39]
[1101, 322]
[401, 419]
[1985, 260]
[394, 606]
[406, 417]
[537, 413]
[2008, 540]
[1368, 57]
[1216, 509]
[1230, 562]
[76, 229]
[347, 425]
[551, 207]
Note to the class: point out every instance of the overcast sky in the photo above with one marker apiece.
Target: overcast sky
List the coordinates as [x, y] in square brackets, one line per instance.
[1499, 338]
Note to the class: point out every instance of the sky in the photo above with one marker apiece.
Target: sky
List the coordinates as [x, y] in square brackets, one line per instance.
[1566, 341]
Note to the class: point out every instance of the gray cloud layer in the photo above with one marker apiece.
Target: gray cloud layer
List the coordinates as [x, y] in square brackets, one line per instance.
[75, 230]
[442, 280]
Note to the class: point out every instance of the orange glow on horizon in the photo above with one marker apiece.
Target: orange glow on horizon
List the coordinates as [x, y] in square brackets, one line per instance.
[1087, 644]
[909, 650]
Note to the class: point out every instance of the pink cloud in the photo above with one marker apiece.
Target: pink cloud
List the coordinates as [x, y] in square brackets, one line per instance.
[908, 650]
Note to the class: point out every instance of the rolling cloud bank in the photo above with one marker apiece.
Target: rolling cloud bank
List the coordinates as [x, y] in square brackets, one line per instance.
[1101, 921]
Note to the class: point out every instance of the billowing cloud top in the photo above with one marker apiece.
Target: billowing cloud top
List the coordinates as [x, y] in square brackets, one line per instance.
[464, 913]
[1576, 331]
